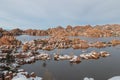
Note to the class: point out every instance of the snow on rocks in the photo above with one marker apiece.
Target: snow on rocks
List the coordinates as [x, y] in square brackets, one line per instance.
[42, 56]
[94, 55]
[115, 78]
[75, 59]
[86, 78]
[61, 57]
[22, 75]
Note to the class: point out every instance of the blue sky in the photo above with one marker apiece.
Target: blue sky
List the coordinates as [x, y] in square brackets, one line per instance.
[43, 14]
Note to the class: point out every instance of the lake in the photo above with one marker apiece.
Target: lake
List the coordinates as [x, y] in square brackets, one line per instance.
[101, 69]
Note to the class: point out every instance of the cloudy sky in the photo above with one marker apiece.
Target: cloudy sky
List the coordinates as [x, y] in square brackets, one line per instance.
[42, 14]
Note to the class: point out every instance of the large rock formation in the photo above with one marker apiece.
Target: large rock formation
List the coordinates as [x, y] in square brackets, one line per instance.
[115, 42]
[36, 32]
[16, 31]
[87, 30]
[9, 40]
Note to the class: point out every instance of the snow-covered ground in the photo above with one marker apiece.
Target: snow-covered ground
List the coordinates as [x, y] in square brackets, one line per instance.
[20, 76]
[86, 78]
[113, 78]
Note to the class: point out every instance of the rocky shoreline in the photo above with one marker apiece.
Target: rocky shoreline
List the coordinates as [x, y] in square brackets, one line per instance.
[87, 30]
[20, 74]
[64, 43]
[14, 53]
[11, 62]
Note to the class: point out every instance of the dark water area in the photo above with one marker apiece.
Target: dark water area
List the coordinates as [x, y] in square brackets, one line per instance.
[100, 69]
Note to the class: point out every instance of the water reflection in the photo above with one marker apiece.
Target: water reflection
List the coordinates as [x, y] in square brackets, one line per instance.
[48, 75]
[44, 64]
[84, 50]
[101, 69]
[25, 38]
[71, 64]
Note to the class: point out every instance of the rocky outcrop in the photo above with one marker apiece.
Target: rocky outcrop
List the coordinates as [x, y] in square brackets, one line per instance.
[79, 44]
[115, 42]
[87, 30]
[36, 32]
[9, 40]
[69, 28]
[16, 31]
[5, 32]
[98, 44]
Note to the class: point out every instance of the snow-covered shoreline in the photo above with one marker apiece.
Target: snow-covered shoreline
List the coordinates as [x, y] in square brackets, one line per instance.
[113, 78]
[20, 74]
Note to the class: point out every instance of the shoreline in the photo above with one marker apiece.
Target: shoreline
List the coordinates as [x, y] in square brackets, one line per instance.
[26, 57]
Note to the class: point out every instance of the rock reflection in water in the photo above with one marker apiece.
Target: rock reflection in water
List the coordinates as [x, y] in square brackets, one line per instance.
[44, 64]
[48, 76]
[102, 69]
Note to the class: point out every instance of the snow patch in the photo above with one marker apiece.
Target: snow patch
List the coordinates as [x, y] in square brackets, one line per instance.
[20, 76]
[115, 78]
[86, 78]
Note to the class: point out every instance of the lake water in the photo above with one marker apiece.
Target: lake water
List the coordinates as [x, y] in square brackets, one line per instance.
[101, 69]
[25, 38]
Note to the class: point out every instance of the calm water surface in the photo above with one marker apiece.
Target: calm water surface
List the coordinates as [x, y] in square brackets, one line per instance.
[25, 38]
[100, 69]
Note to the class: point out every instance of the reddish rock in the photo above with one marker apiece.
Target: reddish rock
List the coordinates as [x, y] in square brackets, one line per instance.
[25, 47]
[9, 40]
[16, 31]
[115, 42]
[98, 44]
